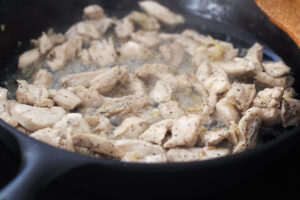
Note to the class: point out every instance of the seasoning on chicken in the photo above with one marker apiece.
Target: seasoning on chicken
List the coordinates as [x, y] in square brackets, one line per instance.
[172, 53]
[269, 97]
[124, 28]
[226, 112]
[290, 112]
[153, 70]
[47, 135]
[170, 110]
[5, 109]
[89, 97]
[276, 69]
[43, 78]
[65, 98]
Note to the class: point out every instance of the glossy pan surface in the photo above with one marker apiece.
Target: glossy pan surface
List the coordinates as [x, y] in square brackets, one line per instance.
[240, 22]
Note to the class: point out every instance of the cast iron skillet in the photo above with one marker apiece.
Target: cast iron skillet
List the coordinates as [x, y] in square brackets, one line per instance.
[240, 22]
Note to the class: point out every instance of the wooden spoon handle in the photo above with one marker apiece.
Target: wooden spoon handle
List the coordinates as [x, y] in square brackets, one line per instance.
[285, 14]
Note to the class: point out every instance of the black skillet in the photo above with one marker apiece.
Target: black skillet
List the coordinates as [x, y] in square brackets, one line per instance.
[240, 22]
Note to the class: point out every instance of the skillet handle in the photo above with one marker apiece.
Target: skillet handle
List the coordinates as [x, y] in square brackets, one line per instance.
[39, 166]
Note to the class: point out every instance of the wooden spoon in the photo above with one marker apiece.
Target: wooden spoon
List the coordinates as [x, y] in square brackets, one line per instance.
[285, 14]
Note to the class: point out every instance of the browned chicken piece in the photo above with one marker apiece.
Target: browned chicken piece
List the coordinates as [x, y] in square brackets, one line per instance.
[184, 131]
[103, 126]
[162, 13]
[136, 86]
[269, 97]
[217, 83]
[173, 53]
[28, 58]
[241, 95]
[133, 50]
[145, 21]
[214, 137]
[254, 57]
[141, 151]
[43, 78]
[204, 71]
[248, 127]
[264, 78]
[93, 12]
[226, 112]
[35, 118]
[61, 54]
[131, 127]
[153, 71]
[195, 154]
[65, 98]
[276, 69]
[98, 144]
[147, 38]
[81, 79]
[290, 112]
[84, 56]
[106, 81]
[124, 28]
[5, 109]
[157, 132]
[125, 104]
[103, 52]
[170, 110]
[74, 123]
[47, 135]
[162, 92]
[35, 95]
[88, 30]
[89, 97]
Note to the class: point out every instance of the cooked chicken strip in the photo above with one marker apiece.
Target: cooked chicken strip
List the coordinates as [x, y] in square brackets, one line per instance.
[43, 78]
[264, 78]
[173, 53]
[290, 112]
[106, 81]
[194, 154]
[47, 135]
[170, 110]
[214, 137]
[133, 50]
[59, 56]
[271, 116]
[126, 104]
[35, 118]
[241, 95]
[236, 67]
[33, 95]
[141, 151]
[184, 131]
[248, 128]
[124, 28]
[153, 71]
[81, 79]
[226, 112]
[103, 52]
[269, 97]
[146, 22]
[254, 57]
[162, 92]
[93, 12]
[89, 97]
[162, 13]
[136, 86]
[204, 71]
[147, 38]
[276, 69]
[74, 123]
[65, 98]
[217, 83]
[103, 127]
[88, 30]
[157, 131]
[131, 127]
[28, 58]
[5, 109]
[98, 144]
